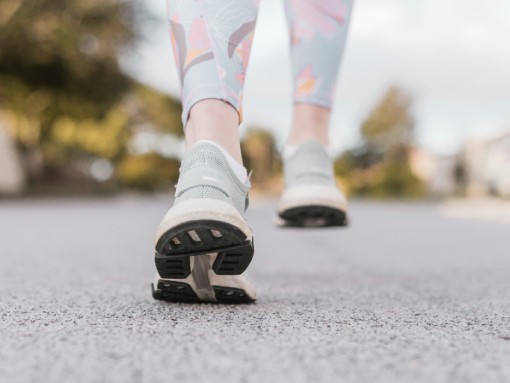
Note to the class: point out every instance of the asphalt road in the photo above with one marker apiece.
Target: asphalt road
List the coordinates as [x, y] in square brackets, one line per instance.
[406, 294]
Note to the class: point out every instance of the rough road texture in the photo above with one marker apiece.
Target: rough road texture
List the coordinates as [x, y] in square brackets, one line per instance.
[404, 295]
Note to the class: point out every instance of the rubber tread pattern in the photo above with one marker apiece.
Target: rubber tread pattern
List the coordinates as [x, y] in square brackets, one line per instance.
[180, 292]
[174, 292]
[172, 267]
[314, 216]
[234, 250]
[231, 295]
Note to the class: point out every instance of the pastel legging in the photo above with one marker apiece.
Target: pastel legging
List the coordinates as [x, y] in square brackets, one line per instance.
[212, 41]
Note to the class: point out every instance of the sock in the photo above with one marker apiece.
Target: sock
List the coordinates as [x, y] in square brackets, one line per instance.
[239, 170]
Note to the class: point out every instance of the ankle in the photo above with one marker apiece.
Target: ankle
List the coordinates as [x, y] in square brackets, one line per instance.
[310, 123]
[216, 121]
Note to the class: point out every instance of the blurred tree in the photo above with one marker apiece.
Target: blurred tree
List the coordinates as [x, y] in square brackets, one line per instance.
[148, 171]
[60, 56]
[380, 166]
[388, 129]
[62, 92]
[261, 156]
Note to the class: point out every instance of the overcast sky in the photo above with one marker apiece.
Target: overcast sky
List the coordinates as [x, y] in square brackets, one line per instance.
[452, 56]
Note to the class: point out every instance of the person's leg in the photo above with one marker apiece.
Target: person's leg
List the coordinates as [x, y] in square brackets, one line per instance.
[217, 121]
[204, 242]
[318, 31]
[212, 42]
[309, 122]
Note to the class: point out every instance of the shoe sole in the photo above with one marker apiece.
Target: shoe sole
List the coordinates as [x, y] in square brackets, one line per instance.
[313, 216]
[312, 206]
[178, 244]
[204, 285]
[180, 292]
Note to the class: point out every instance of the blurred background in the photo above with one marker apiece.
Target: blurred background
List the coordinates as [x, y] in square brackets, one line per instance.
[89, 99]
[413, 291]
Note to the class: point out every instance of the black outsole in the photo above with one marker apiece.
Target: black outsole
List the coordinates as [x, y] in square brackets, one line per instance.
[231, 295]
[314, 216]
[180, 292]
[175, 247]
[174, 292]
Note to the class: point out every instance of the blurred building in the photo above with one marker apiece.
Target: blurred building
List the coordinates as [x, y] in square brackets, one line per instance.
[440, 173]
[12, 177]
[448, 178]
[480, 169]
[487, 165]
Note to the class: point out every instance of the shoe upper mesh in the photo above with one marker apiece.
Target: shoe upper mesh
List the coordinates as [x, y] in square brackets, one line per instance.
[310, 164]
[206, 160]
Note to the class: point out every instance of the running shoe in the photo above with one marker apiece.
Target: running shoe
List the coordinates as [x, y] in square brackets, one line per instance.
[204, 243]
[311, 197]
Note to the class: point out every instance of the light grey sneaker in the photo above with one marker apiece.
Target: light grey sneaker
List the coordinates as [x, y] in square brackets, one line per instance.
[204, 242]
[311, 197]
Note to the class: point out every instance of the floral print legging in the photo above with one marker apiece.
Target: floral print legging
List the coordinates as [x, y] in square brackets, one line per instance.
[212, 40]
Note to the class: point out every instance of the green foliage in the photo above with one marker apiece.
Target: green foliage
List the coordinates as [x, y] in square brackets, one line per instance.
[398, 181]
[389, 126]
[260, 155]
[380, 166]
[390, 180]
[150, 108]
[62, 93]
[148, 171]
[65, 52]
[103, 138]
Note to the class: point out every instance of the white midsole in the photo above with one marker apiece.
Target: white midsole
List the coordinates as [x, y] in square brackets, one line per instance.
[312, 195]
[202, 209]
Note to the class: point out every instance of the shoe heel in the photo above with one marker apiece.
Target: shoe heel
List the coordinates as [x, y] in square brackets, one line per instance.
[196, 238]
